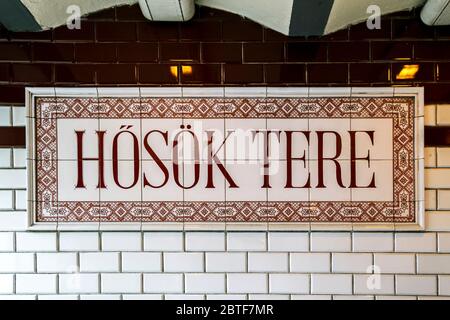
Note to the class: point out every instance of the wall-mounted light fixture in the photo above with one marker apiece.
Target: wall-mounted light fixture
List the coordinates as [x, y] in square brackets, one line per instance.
[408, 72]
[174, 71]
[185, 70]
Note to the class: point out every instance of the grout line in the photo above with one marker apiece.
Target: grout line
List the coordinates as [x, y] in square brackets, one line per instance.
[14, 242]
[437, 285]
[437, 242]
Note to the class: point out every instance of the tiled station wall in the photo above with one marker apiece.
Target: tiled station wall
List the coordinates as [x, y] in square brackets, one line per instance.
[117, 47]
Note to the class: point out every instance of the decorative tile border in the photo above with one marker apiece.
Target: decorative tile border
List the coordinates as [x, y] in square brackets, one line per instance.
[401, 107]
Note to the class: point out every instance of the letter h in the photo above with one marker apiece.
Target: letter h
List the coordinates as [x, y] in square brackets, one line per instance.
[100, 159]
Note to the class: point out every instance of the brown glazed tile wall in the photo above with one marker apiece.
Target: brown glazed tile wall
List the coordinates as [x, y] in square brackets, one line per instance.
[12, 137]
[118, 47]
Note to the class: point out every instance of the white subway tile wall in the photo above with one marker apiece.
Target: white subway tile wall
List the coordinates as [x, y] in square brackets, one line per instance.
[443, 199]
[184, 262]
[430, 157]
[86, 283]
[433, 264]
[329, 241]
[443, 157]
[444, 285]
[5, 116]
[142, 297]
[5, 157]
[57, 297]
[289, 241]
[374, 284]
[430, 115]
[100, 297]
[163, 241]
[373, 242]
[415, 242]
[121, 241]
[444, 242]
[19, 158]
[352, 297]
[57, 262]
[13, 220]
[247, 283]
[226, 262]
[79, 241]
[311, 297]
[141, 262]
[438, 178]
[229, 265]
[17, 262]
[36, 283]
[6, 199]
[416, 285]
[6, 283]
[430, 199]
[310, 262]
[247, 241]
[18, 116]
[443, 114]
[6, 241]
[351, 262]
[395, 262]
[205, 283]
[163, 283]
[121, 282]
[35, 241]
[267, 262]
[289, 283]
[100, 262]
[13, 178]
[331, 284]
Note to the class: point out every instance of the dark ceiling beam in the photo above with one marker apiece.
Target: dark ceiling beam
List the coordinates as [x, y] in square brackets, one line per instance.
[16, 17]
[310, 17]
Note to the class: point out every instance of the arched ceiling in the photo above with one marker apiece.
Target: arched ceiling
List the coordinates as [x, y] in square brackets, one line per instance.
[290, 17]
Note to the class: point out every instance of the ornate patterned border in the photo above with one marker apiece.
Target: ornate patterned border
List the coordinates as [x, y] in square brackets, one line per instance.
[401, 109]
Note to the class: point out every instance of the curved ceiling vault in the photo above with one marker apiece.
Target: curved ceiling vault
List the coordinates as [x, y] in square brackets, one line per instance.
[290, 17]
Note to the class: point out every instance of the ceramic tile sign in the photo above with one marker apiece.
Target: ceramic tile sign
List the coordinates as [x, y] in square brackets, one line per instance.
[245, 158]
